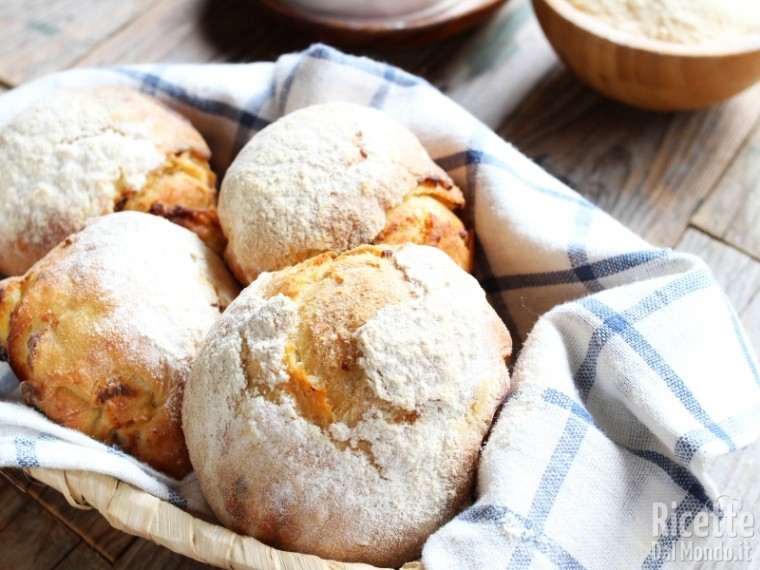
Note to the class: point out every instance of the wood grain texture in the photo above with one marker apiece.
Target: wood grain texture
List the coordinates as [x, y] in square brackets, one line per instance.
[649, 170]
[241, 31]
[12, 501]
[181, 31]
[34, 539]
[80, 539]
[89, 525]
[16, 478]
[480, 75]
[83, 558]
[726, 264]
[39, 36]
[732, 211]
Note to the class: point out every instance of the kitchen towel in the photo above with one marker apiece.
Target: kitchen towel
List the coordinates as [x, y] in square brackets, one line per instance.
[632, 372]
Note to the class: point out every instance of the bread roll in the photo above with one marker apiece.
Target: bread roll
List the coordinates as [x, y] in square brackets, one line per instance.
[82, 153]
[103, 330]
[331, 177]
[338, 406]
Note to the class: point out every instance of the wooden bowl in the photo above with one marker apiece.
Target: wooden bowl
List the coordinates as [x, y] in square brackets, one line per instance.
[643, 72]
[413, 29]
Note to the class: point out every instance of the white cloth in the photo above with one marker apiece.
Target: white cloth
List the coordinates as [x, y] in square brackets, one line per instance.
[633, 373]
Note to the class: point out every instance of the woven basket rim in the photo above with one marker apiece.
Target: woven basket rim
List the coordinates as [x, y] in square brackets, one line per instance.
[138, 513]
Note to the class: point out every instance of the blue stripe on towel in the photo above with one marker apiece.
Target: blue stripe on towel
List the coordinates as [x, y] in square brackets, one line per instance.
[622, 324]
[681, 517]
[551, 482]
[153, 83]
[378, 100]
[690, 443]
[176, 499]
[557, 398]
[503, 516]
[577, 250]
[469, 157]
[246, 131]
[598, 269]
[26, 452]
[678, 474]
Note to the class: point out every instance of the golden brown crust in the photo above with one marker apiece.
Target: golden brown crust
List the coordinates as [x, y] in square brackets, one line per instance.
[11, 290]
[86, 152]
[325, 178]
[339, 405]
[423, 219]
[182, 190]
[81, 365]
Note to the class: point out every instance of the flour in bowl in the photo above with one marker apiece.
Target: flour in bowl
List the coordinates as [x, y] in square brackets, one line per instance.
[678, 21]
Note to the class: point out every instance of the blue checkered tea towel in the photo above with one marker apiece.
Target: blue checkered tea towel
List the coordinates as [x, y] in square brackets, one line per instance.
[633, 373]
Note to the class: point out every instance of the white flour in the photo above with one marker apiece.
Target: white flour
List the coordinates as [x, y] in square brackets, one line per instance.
[678, 21]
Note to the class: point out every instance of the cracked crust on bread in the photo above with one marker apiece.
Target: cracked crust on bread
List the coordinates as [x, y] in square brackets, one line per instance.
[102, 331]
[85, 152]
[339, 405]
[331, 177]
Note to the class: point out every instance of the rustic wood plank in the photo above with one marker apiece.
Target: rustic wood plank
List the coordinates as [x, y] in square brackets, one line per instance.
[34, 539]
[88, 524]
[237, 31]
[40, 37]
[649, 170]
[195, 31]
[726, 264]
[145, 554]
[83, 557]
[13, 501]
[23, 482]
[475, 66]
[499, 65]
[732, 211]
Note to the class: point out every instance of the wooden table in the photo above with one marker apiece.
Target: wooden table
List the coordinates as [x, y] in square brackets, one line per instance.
[686, 180]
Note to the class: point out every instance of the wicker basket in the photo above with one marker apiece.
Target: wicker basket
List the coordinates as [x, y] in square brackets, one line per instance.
[141, 514]
[124, 506]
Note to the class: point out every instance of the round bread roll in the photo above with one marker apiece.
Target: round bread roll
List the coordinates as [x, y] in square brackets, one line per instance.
[102, 332]
[82, 153]
[331, 177]
[338, 407]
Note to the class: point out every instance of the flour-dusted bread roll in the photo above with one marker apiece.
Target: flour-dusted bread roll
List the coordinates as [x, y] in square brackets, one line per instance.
[338, 406]
[331, 177]
[102, 332]
[82, 153]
